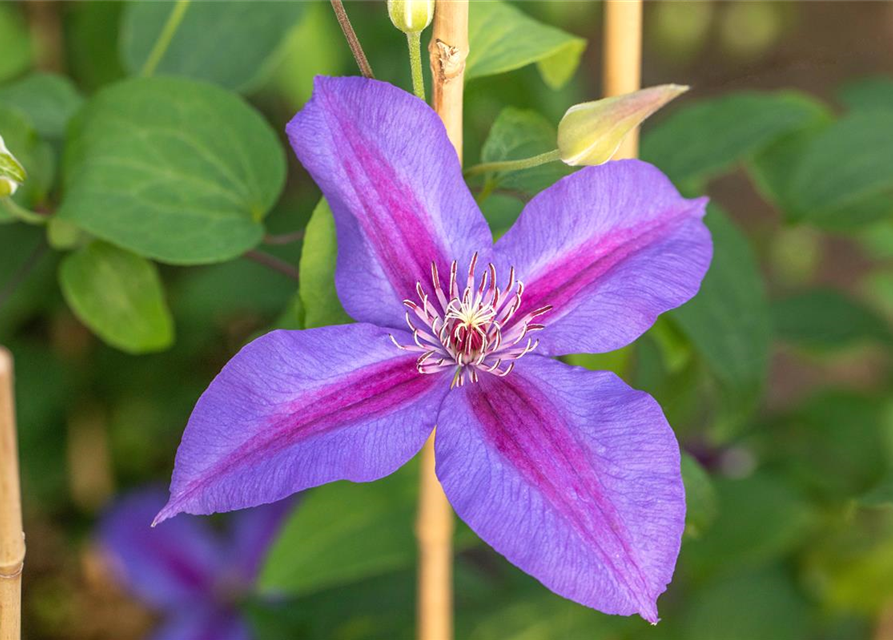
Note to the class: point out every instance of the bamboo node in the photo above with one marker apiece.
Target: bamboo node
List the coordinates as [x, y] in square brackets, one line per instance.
[15, 574]
[450, 60]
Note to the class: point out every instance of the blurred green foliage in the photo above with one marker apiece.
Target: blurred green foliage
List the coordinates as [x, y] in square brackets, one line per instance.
[776, 376]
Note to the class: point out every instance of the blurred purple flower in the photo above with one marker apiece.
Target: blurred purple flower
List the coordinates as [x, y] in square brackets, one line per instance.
[191, 573]
[570, 474]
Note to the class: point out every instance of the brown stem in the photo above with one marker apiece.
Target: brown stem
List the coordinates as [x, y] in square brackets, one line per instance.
[12, 539]
[90, 474]
[434, 527]
[272, 262]
[283, 238]
[449, 50]
[623, 58]
[355, 47]
[22, 273]
[46, 29]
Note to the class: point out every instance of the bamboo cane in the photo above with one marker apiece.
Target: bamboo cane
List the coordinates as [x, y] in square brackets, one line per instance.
[434, 527]
[623, 58]
[12, 540]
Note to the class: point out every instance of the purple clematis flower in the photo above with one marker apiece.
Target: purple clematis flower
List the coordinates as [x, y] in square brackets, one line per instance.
[189, 572]
[570, 474]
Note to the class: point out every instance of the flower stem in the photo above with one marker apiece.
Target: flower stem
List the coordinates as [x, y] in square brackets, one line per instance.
[415, 62]
[352, 41]
[165, 37]
[21, 213]
[622, 70]
[272, 262]
[12, 540]
[513, 165]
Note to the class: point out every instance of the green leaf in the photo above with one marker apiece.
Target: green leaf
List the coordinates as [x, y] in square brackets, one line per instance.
[867, 94]
[828, 320]
[700, 497]
[846, 165]
[314, 47]
[227, 43]
[710, 137]
[374, 609]
[729, 322]
[851, 567]
[319, 299]
[49, 100]
[834, 444]
[881, 494]
[119, 296]
[503, 39]
[15, 43]
[35, 155]
[765, 605]
[774, 168]
[517, 134]
[345, 532]
[760, 519]
[23, 252]
[183, 181]
[91, 39]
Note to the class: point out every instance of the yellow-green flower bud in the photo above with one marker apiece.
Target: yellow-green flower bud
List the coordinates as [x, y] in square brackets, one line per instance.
[590, 133]
[411, 16]
[12, 174]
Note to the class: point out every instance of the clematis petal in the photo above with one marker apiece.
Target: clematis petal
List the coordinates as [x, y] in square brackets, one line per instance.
[296, 409]
[204, 624]
[169, 567]
[572, 476]
[384, 163]
[610, 248]
[252, 533]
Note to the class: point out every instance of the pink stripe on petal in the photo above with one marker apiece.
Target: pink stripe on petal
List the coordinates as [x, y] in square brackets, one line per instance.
[295, 409]
[572, 476]
[393, 181]
[610, 248]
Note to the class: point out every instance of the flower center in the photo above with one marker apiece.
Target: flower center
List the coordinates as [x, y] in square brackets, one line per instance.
[471, 330]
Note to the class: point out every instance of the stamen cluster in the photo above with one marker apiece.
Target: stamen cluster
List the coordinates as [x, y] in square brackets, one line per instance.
[472, 330]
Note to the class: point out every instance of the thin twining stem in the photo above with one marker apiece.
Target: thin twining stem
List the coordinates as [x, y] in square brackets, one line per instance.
[355, 47]
[415, 62]
[283, 238]
[21, 274]
[513, 165]
[165, 37]
[272, 262]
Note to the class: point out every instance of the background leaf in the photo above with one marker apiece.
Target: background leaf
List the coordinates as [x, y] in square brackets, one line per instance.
[867, 94]
[728, 322]
[348, 532]
[227, 43]
[502, 38]
[48, 100]
[823, 187]
[15, 41]
[319, 299]
[709, 137]
[518, 134]
[119, 296]
[700, 497]
[828, 320]
[185, 181]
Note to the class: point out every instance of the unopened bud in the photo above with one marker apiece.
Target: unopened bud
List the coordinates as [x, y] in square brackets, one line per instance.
[12, 174]
[411, 16]
[590, 133]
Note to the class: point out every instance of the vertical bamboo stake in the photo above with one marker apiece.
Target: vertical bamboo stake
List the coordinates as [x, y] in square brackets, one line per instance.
[434, 528]
[623, 58]
[12, 540]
